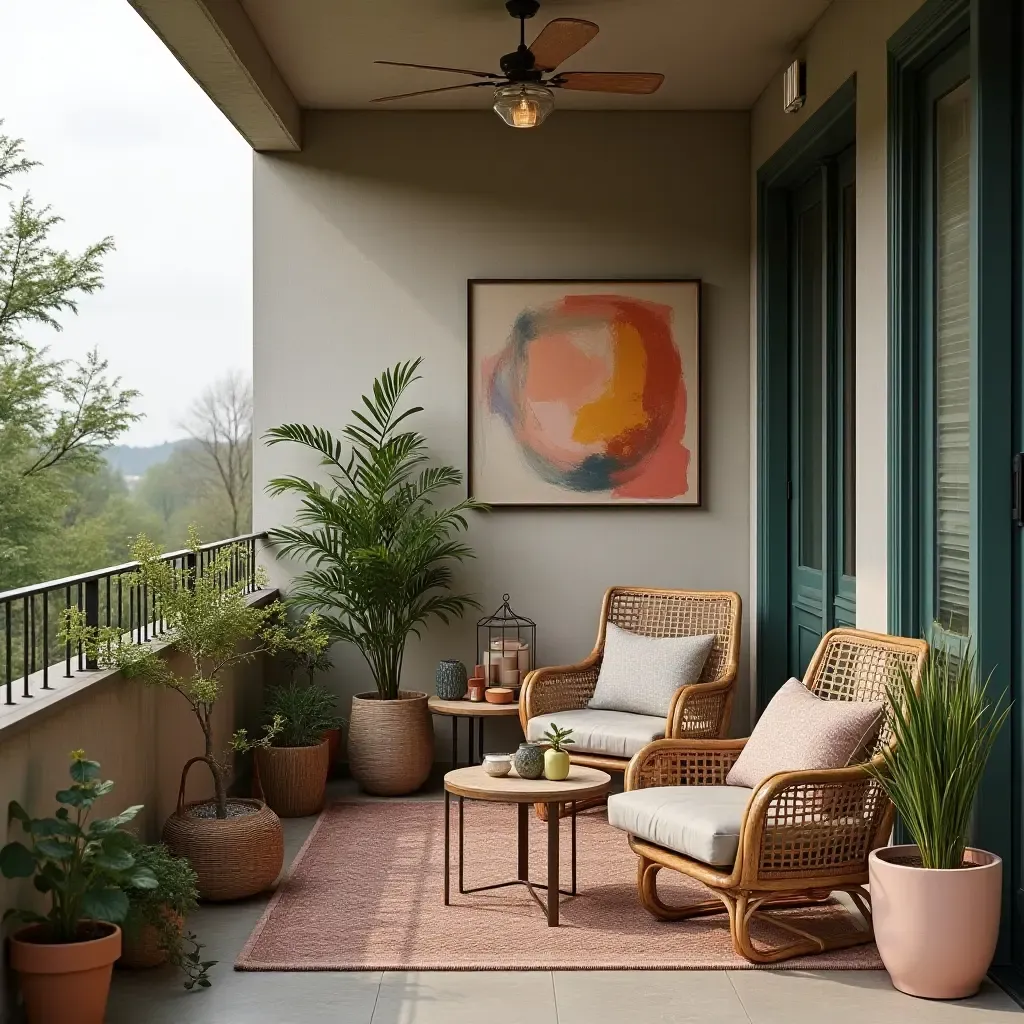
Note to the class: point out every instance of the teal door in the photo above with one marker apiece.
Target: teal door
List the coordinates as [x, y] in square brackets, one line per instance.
[822, 498]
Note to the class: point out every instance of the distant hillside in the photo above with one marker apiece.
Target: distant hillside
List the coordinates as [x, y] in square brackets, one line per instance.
[133, 461]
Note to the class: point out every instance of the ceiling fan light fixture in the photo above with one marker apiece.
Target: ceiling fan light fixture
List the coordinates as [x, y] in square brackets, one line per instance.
[523, 104]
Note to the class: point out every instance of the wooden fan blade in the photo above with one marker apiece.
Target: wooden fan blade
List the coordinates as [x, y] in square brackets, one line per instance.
[559, 40]
[425, 92]
[636, 83]
[435, 67]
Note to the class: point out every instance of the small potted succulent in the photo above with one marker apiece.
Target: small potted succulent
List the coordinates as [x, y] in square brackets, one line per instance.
[292, 767]
[64, 957]
[556, 757]
[935, 904]
[154, 928]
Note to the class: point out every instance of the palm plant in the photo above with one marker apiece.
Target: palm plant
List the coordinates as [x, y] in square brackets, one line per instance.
[942, 736]
[379, 552]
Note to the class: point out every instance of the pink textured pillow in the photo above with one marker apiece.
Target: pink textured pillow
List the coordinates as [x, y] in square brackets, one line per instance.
[799, 731]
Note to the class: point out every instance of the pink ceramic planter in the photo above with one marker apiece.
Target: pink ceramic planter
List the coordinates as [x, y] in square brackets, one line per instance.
[936, 931]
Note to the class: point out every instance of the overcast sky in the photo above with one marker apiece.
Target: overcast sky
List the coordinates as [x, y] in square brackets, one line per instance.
[133, 148]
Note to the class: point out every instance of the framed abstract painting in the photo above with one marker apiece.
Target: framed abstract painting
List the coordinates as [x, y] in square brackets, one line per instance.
[584, 393]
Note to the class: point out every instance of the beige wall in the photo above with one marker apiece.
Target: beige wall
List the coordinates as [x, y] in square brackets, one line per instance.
[363, 245]
[850, 39]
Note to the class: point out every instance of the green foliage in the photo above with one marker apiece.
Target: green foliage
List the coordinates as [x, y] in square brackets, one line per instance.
[214, 625]
[942, 738]
[307, 711]
[175, 893]
[55, 416]
[378, 551]
[558, 739]
[85, 867]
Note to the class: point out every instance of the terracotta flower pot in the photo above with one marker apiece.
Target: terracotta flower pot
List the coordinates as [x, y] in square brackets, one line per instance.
[333, 737]
[390, 743]
[294, 779]
[936, 930]
[140, 944]
[67, 981]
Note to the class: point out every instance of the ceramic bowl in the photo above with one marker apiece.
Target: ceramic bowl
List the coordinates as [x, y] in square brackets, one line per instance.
[498, 765]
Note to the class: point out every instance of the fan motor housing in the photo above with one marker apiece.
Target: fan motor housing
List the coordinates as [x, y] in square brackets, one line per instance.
[518, 66]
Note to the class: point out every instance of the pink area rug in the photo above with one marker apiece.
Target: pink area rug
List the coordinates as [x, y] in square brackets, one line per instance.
[366, 893]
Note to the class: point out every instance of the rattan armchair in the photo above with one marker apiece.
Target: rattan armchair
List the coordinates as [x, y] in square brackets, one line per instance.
[805, 834]
[701, 709]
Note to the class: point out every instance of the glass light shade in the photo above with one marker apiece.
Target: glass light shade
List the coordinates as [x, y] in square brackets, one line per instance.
[524, 104]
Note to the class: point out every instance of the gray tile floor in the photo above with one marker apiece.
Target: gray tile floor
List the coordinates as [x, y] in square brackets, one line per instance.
[526, 997]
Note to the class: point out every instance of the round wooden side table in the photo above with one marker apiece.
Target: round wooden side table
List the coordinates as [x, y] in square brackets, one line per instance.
[474, 783]
[476, 713]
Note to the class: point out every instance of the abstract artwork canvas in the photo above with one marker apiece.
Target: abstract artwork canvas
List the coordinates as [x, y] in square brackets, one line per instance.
[584, 392]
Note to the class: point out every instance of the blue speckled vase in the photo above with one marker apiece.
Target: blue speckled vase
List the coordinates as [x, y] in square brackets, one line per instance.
[451, 680]
[529, 761]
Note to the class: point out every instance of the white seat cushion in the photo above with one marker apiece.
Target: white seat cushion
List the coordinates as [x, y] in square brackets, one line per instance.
[702, 822]
[615, 733]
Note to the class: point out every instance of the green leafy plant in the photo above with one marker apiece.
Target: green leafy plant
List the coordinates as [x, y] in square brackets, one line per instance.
[308, 655]
[214, 625]
[306, 711]
[379, 552]
[164, 906]
[942, 738]
[559, 739]
[83, 866]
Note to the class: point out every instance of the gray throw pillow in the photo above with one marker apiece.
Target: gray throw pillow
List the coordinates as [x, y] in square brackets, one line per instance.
[799, 730]
[639, 674]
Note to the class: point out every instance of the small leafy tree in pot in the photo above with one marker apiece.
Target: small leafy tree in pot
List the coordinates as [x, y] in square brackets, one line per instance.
[379, 550]
[214, 626]
[83, 866]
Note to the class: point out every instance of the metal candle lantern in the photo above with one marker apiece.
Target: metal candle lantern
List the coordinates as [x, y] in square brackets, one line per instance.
[507, 645]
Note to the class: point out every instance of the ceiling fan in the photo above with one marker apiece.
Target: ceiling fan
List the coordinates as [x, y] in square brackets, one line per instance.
[523, 98]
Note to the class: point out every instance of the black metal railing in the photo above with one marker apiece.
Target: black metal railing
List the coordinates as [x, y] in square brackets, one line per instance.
[30, 617]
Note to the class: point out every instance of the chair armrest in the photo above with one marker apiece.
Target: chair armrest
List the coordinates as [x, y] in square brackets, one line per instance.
[814, 824]
[701, 710]
[558, 688]
[682, 762]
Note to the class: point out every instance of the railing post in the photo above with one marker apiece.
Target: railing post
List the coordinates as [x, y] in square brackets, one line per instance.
[92, 615]
[190, 570]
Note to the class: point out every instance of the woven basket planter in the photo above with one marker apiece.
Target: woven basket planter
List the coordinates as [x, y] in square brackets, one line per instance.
[233, 857]
[140, 945]
[390, 743]
[294, 779]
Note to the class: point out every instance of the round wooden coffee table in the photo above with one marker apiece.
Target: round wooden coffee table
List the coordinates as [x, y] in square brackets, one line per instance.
[476, 713]
[474, 783]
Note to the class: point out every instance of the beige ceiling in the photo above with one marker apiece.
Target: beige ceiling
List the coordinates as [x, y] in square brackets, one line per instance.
[715, 54]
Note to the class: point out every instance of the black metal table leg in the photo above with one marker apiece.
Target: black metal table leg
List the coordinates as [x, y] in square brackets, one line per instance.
[552, 865]
[574, 847]
[480, 727]
[447, 844]
[455, 741]
[524, 842]
[471, 742]
[462, 884]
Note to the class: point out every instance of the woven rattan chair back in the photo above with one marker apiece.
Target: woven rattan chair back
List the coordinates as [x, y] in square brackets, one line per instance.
[673, 613]
[854, 665]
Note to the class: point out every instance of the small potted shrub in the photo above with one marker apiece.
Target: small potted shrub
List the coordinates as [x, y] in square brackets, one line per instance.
[64, 957]
[293, 766]
[236, 845]
[380, 549]
[556, 757]
[936, 903]
[308, 660]
[154, 928]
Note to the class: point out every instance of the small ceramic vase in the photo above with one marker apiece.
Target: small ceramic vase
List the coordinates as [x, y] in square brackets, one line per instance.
[476, 690]
[529, 761]
[556, 765]
[451, 680]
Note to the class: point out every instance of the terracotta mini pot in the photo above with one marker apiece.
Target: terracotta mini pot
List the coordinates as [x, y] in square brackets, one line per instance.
[140, 945]
[936, 930]
[294, 779]
[390, 743]
[67, 981]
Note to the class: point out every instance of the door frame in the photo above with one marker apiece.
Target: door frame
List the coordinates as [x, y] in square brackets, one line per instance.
[828, 131]
[994, 74]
